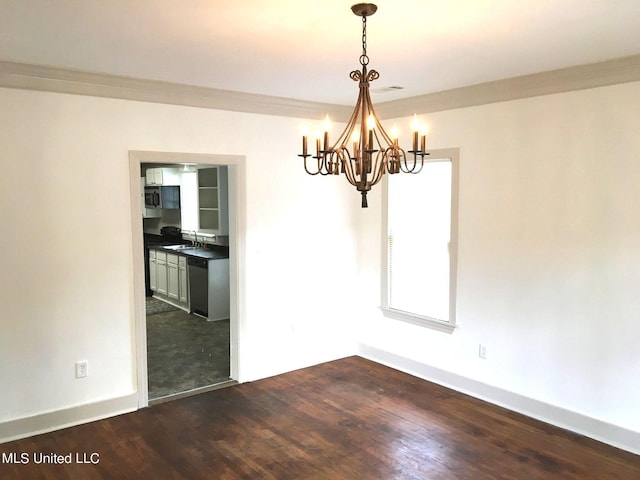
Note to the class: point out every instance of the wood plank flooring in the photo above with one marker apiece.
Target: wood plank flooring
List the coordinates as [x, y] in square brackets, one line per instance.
[347, 419]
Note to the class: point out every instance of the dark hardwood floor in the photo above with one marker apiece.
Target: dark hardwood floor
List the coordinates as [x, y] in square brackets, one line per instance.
[348, 419]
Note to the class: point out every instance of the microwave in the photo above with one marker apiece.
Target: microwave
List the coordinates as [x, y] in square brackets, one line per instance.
[152, 197]
[162, 197]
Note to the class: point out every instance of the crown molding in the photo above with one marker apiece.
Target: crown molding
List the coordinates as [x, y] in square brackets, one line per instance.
[610, 72]
[53, 79]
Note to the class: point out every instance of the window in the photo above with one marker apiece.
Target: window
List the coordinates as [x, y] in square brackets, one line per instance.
[420, 235]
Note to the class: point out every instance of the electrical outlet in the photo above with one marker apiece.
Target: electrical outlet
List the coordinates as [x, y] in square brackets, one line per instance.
[82, 369]
[482, 351]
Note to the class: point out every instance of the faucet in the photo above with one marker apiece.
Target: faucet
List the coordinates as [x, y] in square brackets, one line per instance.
[195, 242]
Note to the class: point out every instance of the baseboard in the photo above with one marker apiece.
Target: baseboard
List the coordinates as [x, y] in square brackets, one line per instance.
[589, 427]
[68, 417]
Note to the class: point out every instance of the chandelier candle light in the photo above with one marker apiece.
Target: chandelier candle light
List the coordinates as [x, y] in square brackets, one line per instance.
[373, 152]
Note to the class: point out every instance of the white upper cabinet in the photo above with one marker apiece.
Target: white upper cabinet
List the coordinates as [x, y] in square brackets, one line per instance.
[163, 176]
[213, 204]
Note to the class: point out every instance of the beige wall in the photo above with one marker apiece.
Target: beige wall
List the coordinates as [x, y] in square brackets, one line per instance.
[547, 270]
[548, 259]
[67, 257]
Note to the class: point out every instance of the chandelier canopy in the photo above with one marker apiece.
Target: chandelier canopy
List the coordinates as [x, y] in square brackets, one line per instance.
[364, 151]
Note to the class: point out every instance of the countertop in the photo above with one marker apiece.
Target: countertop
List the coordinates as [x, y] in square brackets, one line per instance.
[209, 253]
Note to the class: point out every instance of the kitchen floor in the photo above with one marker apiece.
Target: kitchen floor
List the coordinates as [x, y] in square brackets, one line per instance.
[184, 352]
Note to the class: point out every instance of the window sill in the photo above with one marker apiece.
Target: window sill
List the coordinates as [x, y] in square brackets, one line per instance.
[426, 322]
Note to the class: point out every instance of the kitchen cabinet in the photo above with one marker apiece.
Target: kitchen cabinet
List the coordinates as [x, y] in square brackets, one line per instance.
[183, 281]
[173, 285]
[169, 197]
[163, 176]
[213, 203]
[168, 277]
[153, 271]
[161, 273]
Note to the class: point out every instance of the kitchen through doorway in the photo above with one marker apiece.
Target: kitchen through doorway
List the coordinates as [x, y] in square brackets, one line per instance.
[187, 234]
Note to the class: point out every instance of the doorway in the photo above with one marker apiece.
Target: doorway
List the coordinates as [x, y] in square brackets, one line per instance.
[211, 348]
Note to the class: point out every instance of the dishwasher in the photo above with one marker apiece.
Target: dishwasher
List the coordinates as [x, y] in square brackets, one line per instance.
[199, 285]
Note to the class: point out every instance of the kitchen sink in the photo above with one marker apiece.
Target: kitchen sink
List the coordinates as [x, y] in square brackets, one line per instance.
[180, 247]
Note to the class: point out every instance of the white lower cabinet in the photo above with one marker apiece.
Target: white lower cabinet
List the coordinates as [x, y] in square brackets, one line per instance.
[153, 271]
[161, 272]
[173, 286]
[168, 278]
[183, 280]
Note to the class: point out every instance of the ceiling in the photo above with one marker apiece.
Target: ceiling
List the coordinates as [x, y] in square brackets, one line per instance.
[305, 49]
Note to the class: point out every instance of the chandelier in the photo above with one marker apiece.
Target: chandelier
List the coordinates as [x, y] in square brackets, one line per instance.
[364, 151]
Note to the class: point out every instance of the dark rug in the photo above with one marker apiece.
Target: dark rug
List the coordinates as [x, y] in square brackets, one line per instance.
[154, 306]
[185, 352]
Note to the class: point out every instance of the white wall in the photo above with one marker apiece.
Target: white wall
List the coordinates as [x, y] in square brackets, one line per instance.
[67, 259]
[548, 250]
[548, 260]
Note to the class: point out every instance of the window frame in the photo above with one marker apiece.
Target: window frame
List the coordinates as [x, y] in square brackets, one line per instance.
[452, 155]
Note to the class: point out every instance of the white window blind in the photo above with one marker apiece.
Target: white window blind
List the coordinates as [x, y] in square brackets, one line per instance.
[419, 228]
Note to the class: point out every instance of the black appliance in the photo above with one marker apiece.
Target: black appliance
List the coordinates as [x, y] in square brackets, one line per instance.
[151, 197]
[199, 285]
[162, 197]
[171, 234]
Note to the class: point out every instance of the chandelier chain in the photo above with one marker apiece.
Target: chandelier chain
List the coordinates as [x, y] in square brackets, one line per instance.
[364, 59]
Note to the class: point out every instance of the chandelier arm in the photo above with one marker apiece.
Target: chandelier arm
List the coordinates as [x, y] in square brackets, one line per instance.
[348, 167]
[348, 173]
[348, 170]
[403, 165]
[330, 162]
[324, 172]
[353, 166]
[357, 162]
[421, 166]
[378, 163]
[343, 139]
[388, 165]
[381, 163]
[407, 169]
[339, 161]
[351, 123]
[379, 126]
[316, 172]
[324, 162]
